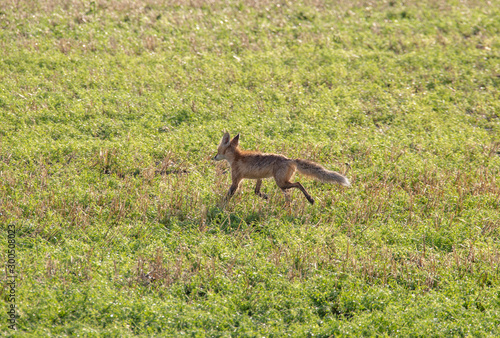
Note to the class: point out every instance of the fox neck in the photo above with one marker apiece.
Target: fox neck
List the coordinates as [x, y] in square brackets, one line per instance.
[232, 155]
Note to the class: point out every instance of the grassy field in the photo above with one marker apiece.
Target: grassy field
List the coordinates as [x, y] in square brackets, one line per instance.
[110, 113]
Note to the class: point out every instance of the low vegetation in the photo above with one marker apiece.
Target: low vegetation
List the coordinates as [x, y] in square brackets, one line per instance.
[110, 113]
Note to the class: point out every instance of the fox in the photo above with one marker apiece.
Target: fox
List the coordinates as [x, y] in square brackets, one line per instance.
[255, 165]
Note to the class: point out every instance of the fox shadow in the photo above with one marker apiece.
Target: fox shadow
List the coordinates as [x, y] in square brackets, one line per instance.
[230, 222]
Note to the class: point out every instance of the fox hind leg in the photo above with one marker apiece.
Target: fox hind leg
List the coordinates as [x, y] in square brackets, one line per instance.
[288, 185]
[283, 178]
[288, 198]
[257, 189]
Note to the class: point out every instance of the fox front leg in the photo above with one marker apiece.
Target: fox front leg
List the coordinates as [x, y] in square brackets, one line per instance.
[233, 188]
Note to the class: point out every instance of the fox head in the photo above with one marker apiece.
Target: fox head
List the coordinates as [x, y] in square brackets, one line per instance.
[226, 148]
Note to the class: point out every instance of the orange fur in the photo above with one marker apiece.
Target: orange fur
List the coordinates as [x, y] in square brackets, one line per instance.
[256, 165]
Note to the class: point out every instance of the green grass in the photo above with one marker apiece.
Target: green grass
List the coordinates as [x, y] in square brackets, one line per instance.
[110, 113]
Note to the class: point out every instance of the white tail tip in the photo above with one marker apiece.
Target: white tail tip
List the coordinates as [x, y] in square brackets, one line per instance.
[346, 183]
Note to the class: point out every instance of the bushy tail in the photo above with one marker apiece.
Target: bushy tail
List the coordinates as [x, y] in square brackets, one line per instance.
[319, 172]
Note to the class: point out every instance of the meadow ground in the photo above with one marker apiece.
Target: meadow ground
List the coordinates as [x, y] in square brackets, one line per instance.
[110, 113]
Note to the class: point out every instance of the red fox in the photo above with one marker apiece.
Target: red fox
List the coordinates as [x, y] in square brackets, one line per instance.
[256, 165]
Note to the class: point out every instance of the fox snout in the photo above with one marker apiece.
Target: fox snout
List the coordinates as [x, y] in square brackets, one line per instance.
[218, 157]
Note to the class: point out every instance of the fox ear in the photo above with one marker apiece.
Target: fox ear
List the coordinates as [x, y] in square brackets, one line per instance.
[225, 138]
[235, 140]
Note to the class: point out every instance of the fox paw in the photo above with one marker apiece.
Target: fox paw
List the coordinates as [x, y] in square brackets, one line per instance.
[264, 196]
